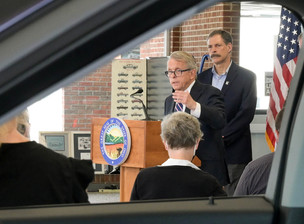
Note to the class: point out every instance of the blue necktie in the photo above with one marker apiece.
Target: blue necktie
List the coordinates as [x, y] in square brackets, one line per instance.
[178, 107]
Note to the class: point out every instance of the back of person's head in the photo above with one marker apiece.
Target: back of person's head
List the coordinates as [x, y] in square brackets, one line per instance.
[224, 34]
[23, 123]
[180, 130]
[7, 128]
[184, 57]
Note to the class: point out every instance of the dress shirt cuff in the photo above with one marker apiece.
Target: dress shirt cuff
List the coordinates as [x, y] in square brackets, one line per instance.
[197, 112]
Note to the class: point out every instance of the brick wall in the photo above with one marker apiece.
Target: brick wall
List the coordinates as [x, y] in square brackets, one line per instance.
[153, 47]
[87, 98]
[91, 96]
[191, 35]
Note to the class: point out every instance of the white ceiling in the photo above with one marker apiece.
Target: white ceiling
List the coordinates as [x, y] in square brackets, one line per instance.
[252, 9]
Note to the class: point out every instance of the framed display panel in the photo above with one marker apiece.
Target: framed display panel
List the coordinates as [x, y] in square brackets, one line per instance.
[128, 76]
[81, 148]
[59, 141]
[158, 86]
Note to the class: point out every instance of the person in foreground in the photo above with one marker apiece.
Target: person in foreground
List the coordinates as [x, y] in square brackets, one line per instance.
[31, 174]
[178, 177]
[204, 102]
[23, 123]
[255, 177]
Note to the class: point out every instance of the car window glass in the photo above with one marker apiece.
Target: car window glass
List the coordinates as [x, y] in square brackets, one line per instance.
[71, 109]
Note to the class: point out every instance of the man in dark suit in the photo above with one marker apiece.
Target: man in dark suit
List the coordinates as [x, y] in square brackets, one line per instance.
[205, 103]
[238, 86]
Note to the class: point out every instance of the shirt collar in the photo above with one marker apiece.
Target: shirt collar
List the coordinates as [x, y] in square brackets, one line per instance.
[179, 162]
[226, 72]
[190, 87]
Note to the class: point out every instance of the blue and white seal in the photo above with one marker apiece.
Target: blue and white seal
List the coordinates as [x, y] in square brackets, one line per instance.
[115, 141]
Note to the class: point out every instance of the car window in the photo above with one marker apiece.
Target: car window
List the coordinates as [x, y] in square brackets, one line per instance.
[72, 105]
[105, 92]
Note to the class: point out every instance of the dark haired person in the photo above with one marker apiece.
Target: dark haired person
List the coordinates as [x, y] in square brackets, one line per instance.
[238, 86]
[255, 177]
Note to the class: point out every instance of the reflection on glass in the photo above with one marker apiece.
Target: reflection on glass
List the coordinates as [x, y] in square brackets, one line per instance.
[71, 108]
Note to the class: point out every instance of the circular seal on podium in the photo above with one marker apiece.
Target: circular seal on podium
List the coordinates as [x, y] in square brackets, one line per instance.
[115, 141]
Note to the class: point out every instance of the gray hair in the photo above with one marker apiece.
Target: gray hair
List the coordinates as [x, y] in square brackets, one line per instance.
[23, 121]
[180, 130]
[184, 57]
[224, 34]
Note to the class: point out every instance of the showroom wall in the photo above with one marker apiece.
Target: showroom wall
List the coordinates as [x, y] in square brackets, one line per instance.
[91, 96]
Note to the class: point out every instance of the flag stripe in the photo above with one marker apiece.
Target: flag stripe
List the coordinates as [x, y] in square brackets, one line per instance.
[284, 68]
[287, 78]
[274, 99]
[278, 87]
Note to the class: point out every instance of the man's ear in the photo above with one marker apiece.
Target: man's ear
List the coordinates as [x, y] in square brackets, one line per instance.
[229, 45]
[193, 73]
[166, 145]
[197, 142]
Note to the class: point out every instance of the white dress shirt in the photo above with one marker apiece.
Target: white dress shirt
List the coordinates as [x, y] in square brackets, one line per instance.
[179, 162]
[197, 111]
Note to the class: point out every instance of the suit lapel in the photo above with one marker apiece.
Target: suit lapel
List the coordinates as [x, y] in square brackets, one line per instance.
[171, 104]
[195, 91]
[206, 77]
[232, 74]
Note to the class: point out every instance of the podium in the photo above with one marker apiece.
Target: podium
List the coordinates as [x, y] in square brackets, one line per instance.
[146, 150]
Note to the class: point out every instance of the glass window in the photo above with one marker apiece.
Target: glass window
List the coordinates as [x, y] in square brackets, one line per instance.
[259, 29]
[259, 26]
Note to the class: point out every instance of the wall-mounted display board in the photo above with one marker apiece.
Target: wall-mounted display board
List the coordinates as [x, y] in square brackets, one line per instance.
[59, 141]
[81, 148]
[128, 75]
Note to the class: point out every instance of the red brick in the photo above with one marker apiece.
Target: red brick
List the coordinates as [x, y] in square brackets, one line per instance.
[94, 91]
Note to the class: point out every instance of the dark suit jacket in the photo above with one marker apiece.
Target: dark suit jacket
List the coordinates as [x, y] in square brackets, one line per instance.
[239, 92]
[212, 120]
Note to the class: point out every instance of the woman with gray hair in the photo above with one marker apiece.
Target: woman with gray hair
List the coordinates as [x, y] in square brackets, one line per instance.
[178, 177]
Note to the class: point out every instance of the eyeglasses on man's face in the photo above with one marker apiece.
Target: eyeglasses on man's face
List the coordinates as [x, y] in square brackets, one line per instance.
[177, 72]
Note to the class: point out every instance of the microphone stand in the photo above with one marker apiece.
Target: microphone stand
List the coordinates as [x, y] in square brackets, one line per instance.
[147, 118]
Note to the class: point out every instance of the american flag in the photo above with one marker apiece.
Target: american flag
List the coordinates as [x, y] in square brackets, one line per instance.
[284, 68]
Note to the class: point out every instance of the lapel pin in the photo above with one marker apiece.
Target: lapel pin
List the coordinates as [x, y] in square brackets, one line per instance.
[227, 83]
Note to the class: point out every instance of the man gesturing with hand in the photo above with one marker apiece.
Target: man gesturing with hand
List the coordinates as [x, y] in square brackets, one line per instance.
[204, 102]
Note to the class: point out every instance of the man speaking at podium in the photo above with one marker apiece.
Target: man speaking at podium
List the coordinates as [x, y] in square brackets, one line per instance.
[204, 102]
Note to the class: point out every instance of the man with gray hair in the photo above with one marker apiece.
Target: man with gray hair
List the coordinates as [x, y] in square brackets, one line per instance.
[32, 174]
[178, 177]
[23, 125]
[204, 102]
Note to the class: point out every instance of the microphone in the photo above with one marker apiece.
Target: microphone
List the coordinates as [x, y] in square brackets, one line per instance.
[147, 118]
[138, 91]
